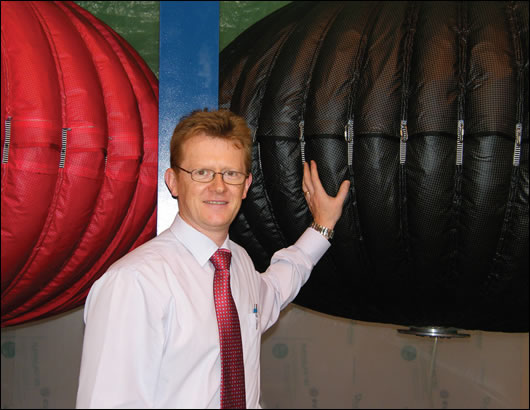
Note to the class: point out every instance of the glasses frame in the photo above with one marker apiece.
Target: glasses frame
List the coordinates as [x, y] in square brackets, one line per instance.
[213, 175]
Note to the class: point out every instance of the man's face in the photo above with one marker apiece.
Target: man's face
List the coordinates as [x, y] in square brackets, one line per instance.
[209, 207]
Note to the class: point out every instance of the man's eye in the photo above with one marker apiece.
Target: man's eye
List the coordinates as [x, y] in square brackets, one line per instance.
[231, 174]
[202, 172]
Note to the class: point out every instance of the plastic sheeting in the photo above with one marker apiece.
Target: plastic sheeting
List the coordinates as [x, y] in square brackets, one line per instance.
[424, 107]
[79, 165]
[309, 360]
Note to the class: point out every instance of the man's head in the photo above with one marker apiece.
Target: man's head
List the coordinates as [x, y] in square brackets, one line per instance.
[221, 124]
[202, 142]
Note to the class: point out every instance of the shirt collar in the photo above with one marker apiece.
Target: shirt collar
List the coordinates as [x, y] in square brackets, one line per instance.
[199, 245]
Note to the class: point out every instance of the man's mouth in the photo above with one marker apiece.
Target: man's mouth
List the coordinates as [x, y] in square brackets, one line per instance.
[216, 202]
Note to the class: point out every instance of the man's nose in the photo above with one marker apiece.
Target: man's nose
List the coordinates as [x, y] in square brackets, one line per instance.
[218, 182]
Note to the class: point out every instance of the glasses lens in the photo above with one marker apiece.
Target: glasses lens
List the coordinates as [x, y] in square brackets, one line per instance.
[233, 177]
[202, 175]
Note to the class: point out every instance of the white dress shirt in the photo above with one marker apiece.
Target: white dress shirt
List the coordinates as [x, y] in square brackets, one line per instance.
[151, 337]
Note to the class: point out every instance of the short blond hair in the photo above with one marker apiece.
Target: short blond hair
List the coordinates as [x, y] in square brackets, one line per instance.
[222, 124]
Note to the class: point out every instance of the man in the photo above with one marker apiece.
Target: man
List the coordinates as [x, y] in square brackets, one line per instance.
[161, 331]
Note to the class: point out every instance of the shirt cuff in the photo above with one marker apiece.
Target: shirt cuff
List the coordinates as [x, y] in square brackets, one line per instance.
[313, 244]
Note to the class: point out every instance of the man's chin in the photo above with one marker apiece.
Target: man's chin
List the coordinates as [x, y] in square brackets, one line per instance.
[219, 223]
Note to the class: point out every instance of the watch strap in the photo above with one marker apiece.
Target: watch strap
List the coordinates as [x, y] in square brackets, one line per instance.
[325, 232]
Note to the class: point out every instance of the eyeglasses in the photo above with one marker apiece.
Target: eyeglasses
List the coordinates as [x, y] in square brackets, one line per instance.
[207, 175]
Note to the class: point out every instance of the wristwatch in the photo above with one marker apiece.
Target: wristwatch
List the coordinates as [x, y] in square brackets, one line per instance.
[325, 232]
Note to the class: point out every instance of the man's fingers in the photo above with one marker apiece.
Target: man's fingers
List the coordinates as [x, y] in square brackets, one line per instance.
[311, 181]
[315, 179]
[307, 183]
[343, 191]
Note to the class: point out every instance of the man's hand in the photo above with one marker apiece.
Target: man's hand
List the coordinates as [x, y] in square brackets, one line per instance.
[326, 210]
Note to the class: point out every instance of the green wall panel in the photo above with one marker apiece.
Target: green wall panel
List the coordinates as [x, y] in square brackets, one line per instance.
[236, 16]
[136, 21]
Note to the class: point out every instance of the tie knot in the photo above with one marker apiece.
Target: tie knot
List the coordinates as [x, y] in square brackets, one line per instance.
[221, 259]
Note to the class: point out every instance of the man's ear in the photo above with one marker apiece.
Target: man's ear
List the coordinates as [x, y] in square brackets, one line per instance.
[171, 182]
[248, 181]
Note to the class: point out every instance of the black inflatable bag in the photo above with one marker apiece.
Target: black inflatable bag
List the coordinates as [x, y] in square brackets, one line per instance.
[423, 106]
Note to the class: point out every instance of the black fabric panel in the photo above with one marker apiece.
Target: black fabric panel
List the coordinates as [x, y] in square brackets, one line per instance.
[485, 188]
[327, 102]
[491, 85]
[378, 100]
[429, 195]
[285, 95]
[434, 87]
[376, 179]
[282, 170]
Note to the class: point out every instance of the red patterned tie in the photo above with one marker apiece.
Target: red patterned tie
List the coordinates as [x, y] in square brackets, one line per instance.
[232, 370]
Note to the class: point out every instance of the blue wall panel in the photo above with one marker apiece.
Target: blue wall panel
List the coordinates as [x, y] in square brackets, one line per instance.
[189, 66]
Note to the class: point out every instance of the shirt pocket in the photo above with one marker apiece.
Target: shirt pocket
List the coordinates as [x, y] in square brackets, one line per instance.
[253, 322]
[252, 336]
